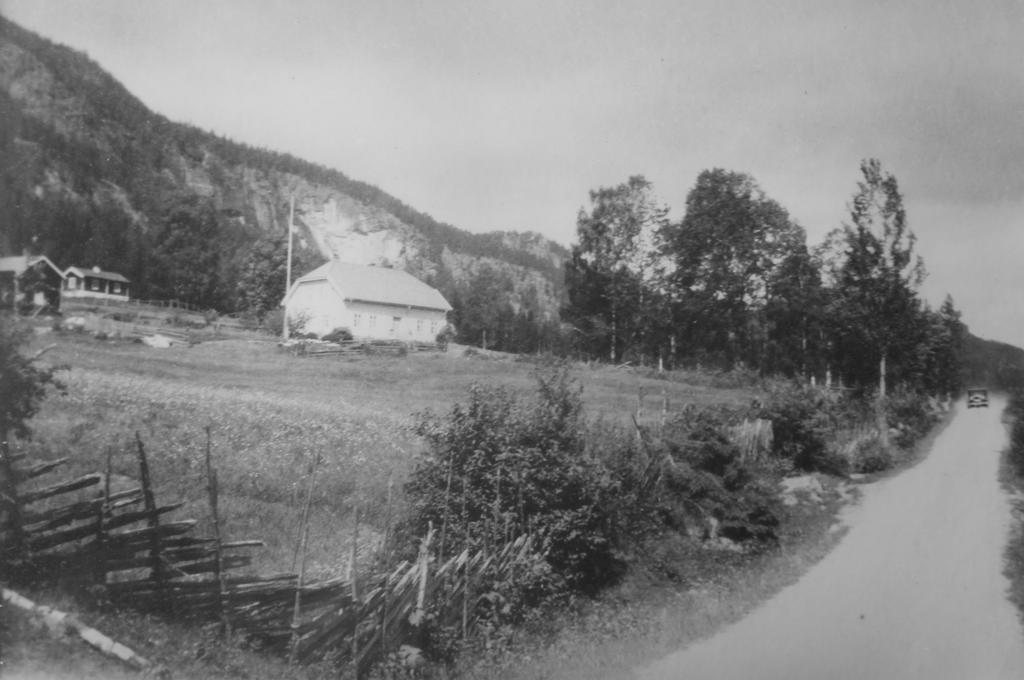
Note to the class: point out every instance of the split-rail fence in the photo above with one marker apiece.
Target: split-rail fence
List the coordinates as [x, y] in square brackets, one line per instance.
[127, 546]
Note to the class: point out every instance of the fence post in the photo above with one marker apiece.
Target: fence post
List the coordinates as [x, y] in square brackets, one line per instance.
[447, 494]
[424, 560]
[213, 491]
[153, 521]
[386, 583]
[10, 508]
[99, 562]
[303, 539]
[354, 585]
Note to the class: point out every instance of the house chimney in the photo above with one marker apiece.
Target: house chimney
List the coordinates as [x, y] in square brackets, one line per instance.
[96, 269]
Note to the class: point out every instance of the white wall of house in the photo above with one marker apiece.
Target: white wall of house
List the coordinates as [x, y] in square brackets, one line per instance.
[390, 322]
[75, 286]
[323, 309]
[315, 307]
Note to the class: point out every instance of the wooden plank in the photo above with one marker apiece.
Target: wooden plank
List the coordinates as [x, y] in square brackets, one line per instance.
[149, 533]
[25, 474]
[79, 510]
[62, 488]
[210, 566]
[44, 541]
[237, 584]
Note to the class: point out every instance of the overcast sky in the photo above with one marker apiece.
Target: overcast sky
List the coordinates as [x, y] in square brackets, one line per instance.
[504, 115]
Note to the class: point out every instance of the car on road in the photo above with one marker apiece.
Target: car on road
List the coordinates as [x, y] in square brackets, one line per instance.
[977, 397]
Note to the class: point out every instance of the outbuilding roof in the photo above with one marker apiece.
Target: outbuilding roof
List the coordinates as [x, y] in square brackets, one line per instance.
[94, 273]
[382, 285]
[19, 263]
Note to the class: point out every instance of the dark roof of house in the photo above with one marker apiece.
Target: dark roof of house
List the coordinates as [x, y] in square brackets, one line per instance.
[381, 285]
[95, 273]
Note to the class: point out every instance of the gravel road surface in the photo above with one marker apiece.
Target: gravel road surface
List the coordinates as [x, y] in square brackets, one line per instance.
[914, 590]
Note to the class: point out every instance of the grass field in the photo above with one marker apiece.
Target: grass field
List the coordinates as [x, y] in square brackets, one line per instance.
[271, 413]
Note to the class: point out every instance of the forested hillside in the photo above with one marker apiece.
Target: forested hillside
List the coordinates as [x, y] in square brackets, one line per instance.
[988, 363]
[90, 176]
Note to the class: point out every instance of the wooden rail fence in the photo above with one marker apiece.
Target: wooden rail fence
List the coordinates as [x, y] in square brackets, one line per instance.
[79, 530]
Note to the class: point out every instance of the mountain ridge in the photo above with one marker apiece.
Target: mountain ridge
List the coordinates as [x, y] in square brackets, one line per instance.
[94, 175]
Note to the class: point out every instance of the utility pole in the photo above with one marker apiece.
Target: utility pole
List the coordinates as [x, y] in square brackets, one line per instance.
[288, 267]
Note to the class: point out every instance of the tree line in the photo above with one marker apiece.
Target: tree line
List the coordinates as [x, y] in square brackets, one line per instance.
[734, 283]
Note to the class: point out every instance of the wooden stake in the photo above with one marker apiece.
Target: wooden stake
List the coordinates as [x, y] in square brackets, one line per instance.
[303, 538]
[424, 565]
[354, 584]
[213, 490]
[100, 570]
[10, 504]
[385, 556]
[157, 569]
[444, 521]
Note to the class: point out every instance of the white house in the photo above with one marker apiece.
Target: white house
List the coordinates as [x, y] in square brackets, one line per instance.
[374, 303]
[94, 283]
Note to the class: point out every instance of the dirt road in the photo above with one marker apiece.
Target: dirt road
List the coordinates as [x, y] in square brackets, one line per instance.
[914, 590]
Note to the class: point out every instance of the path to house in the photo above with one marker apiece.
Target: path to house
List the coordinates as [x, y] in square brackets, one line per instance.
[914, 590]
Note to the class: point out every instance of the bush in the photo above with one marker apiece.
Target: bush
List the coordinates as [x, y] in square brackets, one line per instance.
[910, 414]
[1015, 410]
[708, 486]
[338, 335]
[868, 455]
[500, 465]
[445, 337]
[24, 383]
[801, 427]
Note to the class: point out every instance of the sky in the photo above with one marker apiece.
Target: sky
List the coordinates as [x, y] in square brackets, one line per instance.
[506, 114]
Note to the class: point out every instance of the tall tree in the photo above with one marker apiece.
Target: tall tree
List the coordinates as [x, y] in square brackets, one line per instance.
[261, 282]
[611, 265]
[794, 314]
[721, 256]
[879, 274]
[186, 261]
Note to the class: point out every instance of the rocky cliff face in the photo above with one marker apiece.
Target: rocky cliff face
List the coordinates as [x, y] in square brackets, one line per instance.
[74, 141]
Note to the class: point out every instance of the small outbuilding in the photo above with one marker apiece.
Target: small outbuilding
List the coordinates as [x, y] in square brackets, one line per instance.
[373, 303]
[95, 283]
[29, 281]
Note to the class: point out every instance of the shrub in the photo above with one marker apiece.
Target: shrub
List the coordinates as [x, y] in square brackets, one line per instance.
[800, 427]
[338, 335]
[708, 484]
[23, 382]
[500, 465]
[910, 414]
[1015, 409]
[868, 455]
[445, 337]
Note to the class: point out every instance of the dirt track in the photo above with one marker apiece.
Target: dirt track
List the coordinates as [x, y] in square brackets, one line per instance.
[914, 590]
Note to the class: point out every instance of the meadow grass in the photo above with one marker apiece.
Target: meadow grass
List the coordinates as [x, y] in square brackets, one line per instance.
[271, 414]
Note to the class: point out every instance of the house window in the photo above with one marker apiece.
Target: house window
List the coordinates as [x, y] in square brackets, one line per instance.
[115, 288]
[419, 326]
[433, 328]
[94, 284]
[72, 283]
[373, 320]
[357, 320]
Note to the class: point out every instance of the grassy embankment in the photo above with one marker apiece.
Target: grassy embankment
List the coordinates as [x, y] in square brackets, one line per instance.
[270, 413]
